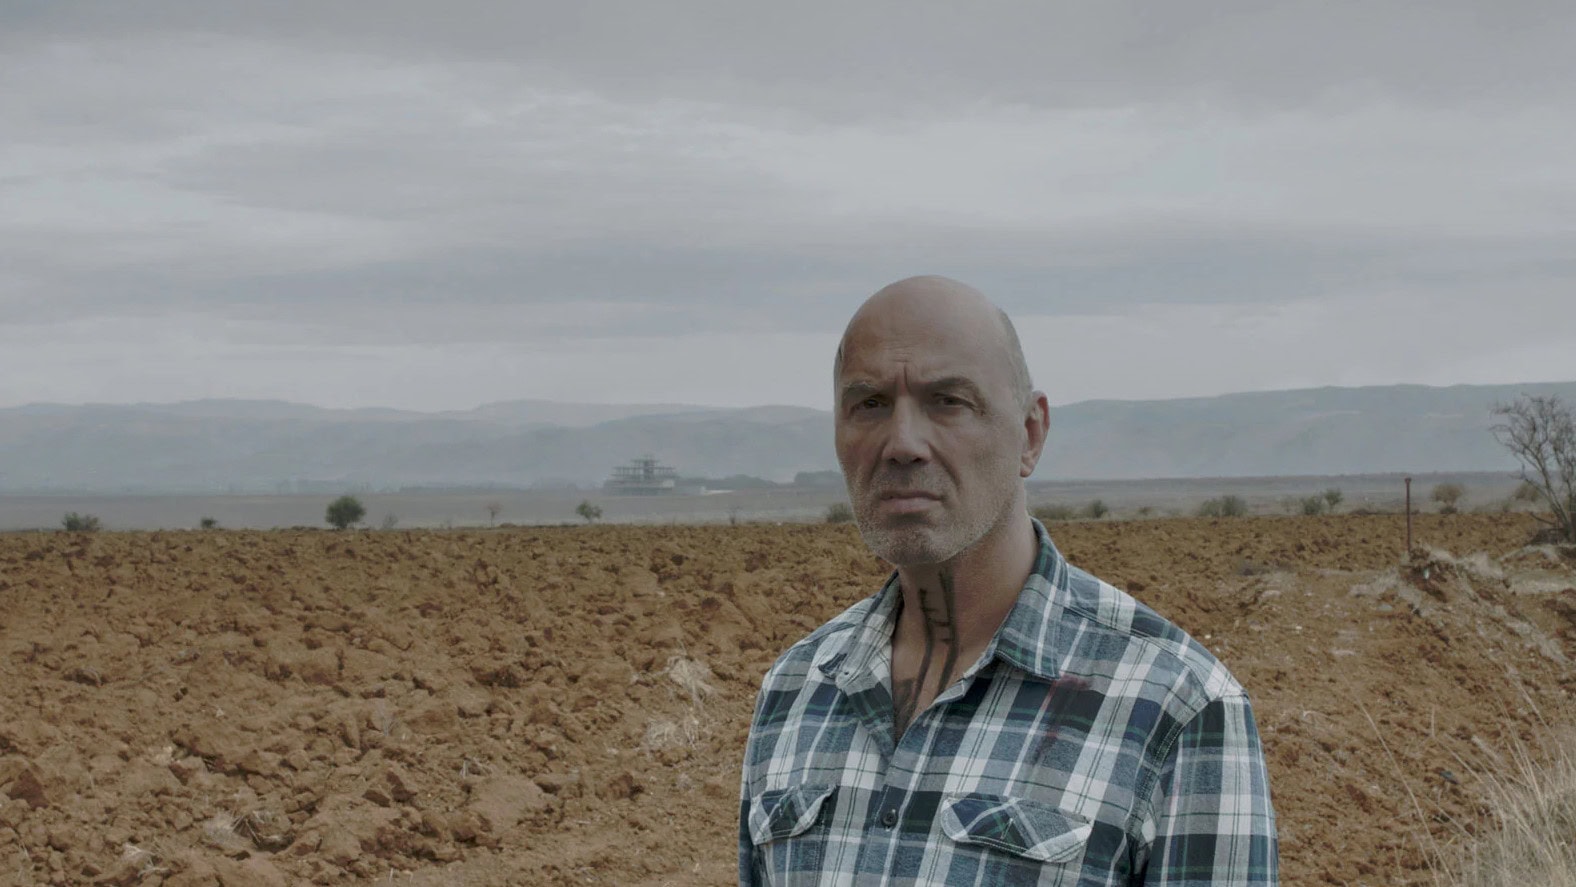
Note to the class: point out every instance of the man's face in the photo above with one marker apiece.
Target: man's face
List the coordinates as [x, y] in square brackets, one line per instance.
[929, 434]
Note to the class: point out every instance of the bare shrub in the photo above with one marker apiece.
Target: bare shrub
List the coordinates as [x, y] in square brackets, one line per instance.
[1223, 506]
[1541, 433]
[1526, 492]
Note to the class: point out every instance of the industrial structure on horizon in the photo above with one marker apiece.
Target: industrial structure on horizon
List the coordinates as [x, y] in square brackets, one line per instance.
[642, 477]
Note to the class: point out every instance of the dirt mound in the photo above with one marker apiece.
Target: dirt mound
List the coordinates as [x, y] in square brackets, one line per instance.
[556, 706]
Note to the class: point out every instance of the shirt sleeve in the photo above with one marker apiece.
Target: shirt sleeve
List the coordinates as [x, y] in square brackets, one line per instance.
[749, 871]
[1214, 822]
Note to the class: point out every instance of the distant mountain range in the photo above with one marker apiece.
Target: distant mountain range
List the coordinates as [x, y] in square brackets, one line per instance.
[274, 446]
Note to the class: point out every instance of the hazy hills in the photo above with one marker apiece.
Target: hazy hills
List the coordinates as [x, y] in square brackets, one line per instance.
[270, 446]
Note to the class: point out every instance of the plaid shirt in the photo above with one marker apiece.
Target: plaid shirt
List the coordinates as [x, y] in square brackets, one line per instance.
[1093, 743]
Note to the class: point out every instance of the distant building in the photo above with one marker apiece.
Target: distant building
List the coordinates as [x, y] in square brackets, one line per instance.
[642, 477]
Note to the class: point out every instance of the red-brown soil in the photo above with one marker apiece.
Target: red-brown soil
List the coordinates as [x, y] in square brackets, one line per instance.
[569, 706]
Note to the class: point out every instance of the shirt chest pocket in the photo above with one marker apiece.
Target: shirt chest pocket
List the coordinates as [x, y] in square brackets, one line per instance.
[784, 829]
[1029, 830]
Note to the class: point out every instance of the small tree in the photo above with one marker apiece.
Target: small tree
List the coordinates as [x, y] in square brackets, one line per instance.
[1447, 495]
[1333, 497]
[838, 513]
[1313, 505]
[79, 523]
[590, 512]
[1096, 509]
[492, 512]
[346, 511]
[1541, 433]
[208, 523]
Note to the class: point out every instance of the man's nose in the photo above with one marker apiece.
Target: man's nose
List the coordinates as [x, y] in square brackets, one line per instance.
[905, 440]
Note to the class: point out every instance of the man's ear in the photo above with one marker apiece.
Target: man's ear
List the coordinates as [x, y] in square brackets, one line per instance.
[1036, 425]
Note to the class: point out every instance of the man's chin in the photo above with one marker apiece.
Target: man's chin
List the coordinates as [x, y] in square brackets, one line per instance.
[904, 546]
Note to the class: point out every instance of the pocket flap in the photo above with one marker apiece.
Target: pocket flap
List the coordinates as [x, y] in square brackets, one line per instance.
[1030, 829]
[785, 812]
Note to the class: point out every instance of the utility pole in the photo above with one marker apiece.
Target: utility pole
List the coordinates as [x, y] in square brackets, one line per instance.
[1409, 517]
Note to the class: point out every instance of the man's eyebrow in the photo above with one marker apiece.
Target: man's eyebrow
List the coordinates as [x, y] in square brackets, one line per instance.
[957, 383]
[857, 389]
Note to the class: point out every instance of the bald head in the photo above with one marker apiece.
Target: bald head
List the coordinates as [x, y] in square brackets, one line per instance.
[941, 308]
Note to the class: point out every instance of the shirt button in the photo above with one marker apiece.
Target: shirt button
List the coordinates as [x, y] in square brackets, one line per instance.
[889, 818]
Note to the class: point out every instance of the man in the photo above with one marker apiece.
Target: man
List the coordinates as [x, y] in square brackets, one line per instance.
[993, 715]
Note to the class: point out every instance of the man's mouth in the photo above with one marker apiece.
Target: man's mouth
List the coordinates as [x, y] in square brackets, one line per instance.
[909, 494]
[908, 501]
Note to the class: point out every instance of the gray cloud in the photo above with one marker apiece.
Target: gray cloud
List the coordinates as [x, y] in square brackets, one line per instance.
[824, 55]
[404, 174]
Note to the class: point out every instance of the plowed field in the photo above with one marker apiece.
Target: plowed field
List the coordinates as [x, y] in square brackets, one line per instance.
[568, 706]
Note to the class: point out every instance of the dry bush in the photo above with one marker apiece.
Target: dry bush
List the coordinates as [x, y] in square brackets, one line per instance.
[1223, 506]
[80, 523]
[1447, 495]
[838, 513]
[1054, 512]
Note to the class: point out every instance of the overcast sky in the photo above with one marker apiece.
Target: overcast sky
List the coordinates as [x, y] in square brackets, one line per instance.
[433, 206]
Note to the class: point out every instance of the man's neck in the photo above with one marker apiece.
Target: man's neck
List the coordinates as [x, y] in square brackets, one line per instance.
[949, 612]
[961, 603]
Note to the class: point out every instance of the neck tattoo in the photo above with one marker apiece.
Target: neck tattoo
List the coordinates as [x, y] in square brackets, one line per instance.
[939, 619]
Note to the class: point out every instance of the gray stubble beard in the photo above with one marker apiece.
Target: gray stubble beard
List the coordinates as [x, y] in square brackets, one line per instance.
[897, 545]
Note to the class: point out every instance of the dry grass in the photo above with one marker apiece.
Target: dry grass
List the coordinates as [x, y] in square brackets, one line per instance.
[236, 833]
[1534, 838]
[1529, 792]
[663, 733]
[693, 676]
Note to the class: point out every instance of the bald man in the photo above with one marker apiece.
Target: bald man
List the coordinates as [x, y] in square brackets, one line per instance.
[992, 715]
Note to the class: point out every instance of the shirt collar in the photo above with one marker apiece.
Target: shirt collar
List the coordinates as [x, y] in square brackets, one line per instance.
[861, 657]
[1027, 638]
